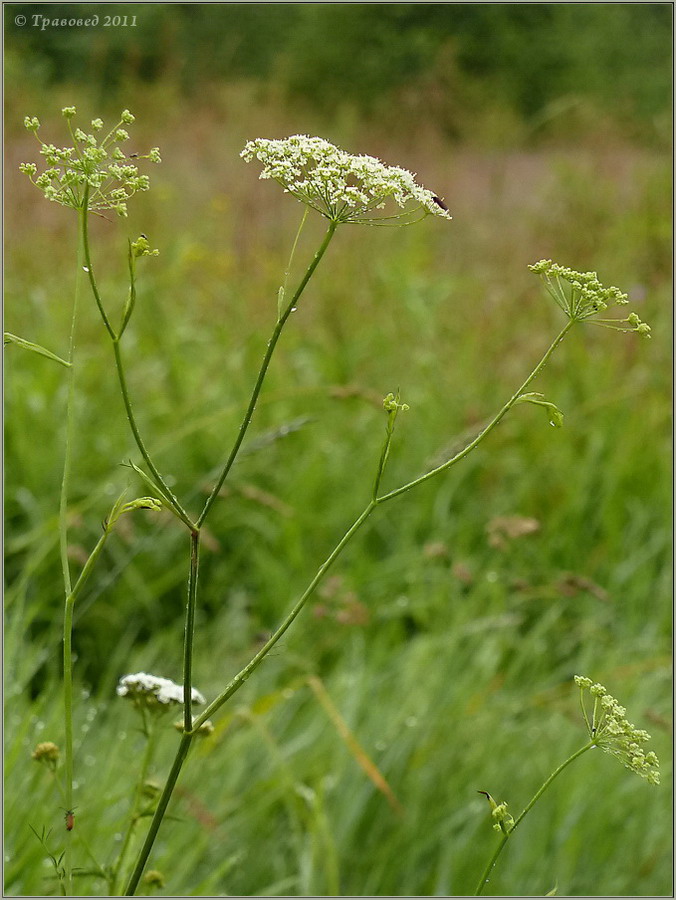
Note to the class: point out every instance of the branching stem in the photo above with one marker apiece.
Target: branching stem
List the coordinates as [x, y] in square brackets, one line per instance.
[505, 837]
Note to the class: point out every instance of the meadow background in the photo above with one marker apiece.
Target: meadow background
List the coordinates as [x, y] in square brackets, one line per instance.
[445, 640]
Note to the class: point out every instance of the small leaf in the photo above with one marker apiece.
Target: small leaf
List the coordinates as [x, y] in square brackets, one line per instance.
[554, 414]
[553, 891]
[165, 497]
[148, 481]
[35, 348]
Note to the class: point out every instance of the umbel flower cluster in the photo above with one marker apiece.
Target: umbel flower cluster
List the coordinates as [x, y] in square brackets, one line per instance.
[94, 173]
[340, 186]
[611, 732]
[154, 692]
[582, 296]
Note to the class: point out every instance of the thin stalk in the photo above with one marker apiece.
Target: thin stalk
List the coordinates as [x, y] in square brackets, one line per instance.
[238, 681]
[190, 629]
[115, 338]
[65, 568]
[134, 817]
[232, 688]
[382, 462]
[165, 796]
[84, 231]
[491, 425]
[242, 676]
[505, 837]
[272, 343]
[282, 291]
[183, 515]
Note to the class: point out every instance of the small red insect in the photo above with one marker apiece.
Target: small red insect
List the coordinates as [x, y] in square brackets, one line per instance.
[69, 818]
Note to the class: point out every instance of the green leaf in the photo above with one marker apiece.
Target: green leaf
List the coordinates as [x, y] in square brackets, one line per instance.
[554, 414]
[35, 348]
[165, 498]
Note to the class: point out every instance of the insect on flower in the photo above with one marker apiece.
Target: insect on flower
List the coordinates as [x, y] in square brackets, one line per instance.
[440, 203]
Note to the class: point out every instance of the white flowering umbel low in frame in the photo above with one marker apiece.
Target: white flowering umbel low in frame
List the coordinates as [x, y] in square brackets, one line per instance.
[345, 189]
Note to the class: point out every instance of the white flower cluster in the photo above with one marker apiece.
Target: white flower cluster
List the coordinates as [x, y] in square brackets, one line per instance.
[581, 296]
[612, 733]
[151, 690]
[340, 186]
[84, 172]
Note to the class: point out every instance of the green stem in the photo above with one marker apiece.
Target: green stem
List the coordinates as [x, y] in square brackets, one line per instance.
[189, 727]
[183, 515]
[177, 765]
[242, 676]
[84, 230]
[232, 688]
[491, 425]
[115, 338]
[189, 629]
[505, 837]
[272, 343]
[237, 682]
[134, 816]
[65, 568]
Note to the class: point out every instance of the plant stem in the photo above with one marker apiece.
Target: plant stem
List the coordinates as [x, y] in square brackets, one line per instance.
[183, 515]
[65, 568]
[165, 796]
[232, 688]
[84, 230]
[505, 837]
[242, 676]
[236, 683]
[190, 628]
[115, 338]
[491, 425]
[272, 343]
[138, 793]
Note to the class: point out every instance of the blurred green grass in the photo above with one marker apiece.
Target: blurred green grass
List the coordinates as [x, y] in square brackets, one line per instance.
[449, 658]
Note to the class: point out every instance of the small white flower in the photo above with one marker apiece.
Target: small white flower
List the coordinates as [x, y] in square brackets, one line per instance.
[153, 690]
[342, 187]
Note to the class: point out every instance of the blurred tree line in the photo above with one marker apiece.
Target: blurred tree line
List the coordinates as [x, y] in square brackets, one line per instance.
[450, 57]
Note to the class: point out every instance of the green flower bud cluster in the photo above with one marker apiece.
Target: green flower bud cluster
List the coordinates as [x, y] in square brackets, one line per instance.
[205, 730]
[582, 296]
[612, 733]
[502, 819]
[153, 879]
[392, 404]
[90, 174]
[141, 247]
